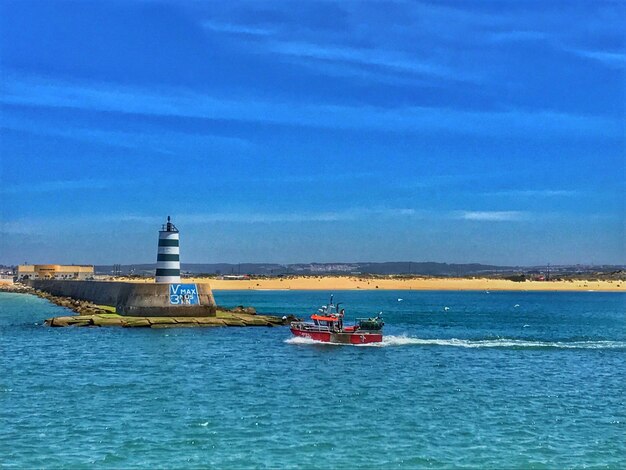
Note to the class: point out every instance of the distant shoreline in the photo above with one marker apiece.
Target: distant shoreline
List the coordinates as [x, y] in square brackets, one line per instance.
[332, 283]
[329, 283]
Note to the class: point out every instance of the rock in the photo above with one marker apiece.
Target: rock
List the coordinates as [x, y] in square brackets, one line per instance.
[87, 311]
[61, 321]
[90, 314]
[209, 321]
[257, 321]
[238, 316]
[242, 309]
[161, 321]
[70, 321]
[289, 318]
[104, 321]
[135, 322]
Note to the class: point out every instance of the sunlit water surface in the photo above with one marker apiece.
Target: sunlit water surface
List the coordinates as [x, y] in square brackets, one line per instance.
[494, 380]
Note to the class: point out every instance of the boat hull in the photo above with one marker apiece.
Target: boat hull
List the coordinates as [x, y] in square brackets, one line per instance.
[360, 337]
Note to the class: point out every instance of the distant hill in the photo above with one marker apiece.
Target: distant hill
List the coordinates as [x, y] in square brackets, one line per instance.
[388, 268]
[404, 267]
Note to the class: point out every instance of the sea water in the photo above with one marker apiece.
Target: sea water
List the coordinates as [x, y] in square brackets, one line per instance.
[472, 379]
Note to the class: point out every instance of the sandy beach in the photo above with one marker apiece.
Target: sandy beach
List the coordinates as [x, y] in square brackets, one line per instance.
[331, 283]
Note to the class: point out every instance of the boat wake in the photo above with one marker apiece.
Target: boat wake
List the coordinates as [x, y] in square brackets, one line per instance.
[389, 341]
[498, 343]
[303, 340]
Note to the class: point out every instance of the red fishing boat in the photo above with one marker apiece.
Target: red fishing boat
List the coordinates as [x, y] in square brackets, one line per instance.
[328, 327]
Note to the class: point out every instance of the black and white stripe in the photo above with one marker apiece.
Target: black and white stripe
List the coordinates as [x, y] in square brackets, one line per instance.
[168, 257]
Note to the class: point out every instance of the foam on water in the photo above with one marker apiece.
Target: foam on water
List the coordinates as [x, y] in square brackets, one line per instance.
[502, 343]
[389, 341]
[302, 340]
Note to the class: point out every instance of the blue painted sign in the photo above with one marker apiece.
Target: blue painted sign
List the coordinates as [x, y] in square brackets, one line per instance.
[184, 294]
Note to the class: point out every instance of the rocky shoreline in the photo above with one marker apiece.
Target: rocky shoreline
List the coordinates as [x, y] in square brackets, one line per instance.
[223, 319]
[90, 314]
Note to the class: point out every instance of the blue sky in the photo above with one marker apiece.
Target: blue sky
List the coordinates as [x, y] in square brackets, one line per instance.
[313, 131]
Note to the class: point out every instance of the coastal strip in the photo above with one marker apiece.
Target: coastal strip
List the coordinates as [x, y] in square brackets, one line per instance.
[90, 314]
[333, 283]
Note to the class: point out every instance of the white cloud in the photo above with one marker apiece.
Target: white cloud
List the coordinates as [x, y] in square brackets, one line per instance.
[98, 222]
[264, 217]
[517, 36]
[493, 216]
[535, 193]
[612, 59]
[297, 216]
[380, 58]
[177, 102]
[232, 28]
[69, 185]
[170, 143]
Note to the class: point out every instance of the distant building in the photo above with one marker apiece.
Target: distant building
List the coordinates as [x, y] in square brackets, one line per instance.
[54, 271]
[234, 277]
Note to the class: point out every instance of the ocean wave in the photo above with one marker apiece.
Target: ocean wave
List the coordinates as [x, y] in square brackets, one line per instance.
[499, 343]
[389, 341]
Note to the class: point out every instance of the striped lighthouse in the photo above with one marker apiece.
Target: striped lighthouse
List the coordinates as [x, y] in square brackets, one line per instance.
[168, 258]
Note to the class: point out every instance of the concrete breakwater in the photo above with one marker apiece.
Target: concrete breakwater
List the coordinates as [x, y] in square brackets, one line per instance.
[134, 299]
[223, 318]
[91, 314]
[81, 307]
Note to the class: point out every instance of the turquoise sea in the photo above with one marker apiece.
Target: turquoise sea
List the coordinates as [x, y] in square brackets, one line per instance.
[496, 380]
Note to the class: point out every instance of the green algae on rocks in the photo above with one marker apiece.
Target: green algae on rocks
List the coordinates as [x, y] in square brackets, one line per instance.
[223, 318]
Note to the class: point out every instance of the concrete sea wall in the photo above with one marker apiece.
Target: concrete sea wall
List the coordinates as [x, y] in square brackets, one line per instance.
[130, 298]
